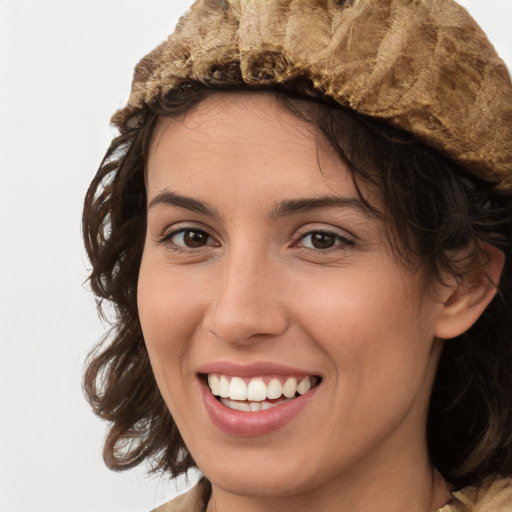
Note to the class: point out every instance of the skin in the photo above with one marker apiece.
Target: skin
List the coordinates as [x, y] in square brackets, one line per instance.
[258, 289]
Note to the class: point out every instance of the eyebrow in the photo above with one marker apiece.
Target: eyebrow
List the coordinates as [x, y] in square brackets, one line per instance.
[281, 209]
[291, 206]
[173, 199]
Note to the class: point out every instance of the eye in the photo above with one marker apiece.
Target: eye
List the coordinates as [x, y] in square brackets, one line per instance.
[188, 238]
[323, 240]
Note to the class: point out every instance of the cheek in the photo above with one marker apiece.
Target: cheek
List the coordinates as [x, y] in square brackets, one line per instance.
[380, 356]
[370, 328]
[167, 302]
[348, 308]
[170, 313]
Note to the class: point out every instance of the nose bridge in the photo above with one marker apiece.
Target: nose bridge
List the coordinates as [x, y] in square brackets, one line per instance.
[247, 301]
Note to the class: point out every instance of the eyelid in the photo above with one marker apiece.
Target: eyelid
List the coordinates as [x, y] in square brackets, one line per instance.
[185, 225]
[182, 227]
[344, 236]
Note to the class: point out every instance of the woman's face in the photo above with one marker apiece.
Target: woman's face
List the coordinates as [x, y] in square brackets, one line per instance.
[263, 272]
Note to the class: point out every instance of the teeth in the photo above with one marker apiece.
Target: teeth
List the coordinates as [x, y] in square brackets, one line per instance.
[274, 389]
[223, 387]
[254, 406]
[304, 386]
[255, 390]
[237, 389]
[213, 382]
[238, 406]
[251, 406]
[290, 387]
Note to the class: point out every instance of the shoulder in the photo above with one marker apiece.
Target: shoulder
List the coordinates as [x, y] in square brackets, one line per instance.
[194, 500]
[492, 495]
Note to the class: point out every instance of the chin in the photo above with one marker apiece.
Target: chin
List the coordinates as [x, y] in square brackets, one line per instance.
[256, 473]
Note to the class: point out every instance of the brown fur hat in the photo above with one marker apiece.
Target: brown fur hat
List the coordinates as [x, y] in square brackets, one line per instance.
[422, 65]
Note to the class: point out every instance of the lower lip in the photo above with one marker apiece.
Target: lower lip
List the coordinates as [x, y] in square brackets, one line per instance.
[256, 423]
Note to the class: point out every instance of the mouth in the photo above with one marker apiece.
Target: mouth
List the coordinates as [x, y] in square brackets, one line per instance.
[258, 393]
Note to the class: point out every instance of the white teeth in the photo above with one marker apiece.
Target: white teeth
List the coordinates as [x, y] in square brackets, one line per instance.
[304, 386]
[238, 406]
[274, 389]
[251, 406]
[237, 389]
[256, 391]
[290, 387]
[213, 382]
[223, 387]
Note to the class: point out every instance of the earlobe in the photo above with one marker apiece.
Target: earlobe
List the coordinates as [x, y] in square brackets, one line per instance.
[467, 299]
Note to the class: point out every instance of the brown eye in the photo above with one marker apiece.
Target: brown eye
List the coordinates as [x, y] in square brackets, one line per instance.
[188, 239]
[324, 240]
[195, 239]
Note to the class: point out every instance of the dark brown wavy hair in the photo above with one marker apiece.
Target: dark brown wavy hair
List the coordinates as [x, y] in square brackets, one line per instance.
[432, 207]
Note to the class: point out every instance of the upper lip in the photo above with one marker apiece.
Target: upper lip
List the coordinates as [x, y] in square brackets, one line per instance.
[253, 369]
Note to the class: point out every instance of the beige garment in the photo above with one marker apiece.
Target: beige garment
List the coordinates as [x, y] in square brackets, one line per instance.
[194, 500]
[492, 496]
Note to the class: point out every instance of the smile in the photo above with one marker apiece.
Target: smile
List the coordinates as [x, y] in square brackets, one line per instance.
[258, 393]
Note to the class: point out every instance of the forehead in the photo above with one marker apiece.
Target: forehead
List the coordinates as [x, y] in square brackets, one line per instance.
[231, 141]
[222, 111]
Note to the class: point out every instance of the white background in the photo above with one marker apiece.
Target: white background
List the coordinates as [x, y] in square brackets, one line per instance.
[65, 67]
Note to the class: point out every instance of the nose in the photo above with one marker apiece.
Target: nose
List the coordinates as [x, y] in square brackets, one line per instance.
[247, 300]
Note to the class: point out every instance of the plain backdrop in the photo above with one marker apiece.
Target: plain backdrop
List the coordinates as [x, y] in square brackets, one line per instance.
[65, 67]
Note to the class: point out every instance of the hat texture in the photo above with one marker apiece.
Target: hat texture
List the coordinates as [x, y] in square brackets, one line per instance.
[421, 65]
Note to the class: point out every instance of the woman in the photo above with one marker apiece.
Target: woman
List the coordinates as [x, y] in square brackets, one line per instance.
[305, 230]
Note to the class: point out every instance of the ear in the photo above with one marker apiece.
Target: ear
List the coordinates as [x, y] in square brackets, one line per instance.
[464, 301]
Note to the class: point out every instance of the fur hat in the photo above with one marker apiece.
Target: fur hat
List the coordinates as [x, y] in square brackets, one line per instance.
[421, 65]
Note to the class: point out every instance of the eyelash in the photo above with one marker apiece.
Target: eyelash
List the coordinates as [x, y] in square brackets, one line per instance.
[341, 242]
[167, 239]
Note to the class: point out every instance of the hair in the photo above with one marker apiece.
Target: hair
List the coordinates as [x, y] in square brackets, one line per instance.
[431, 206]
